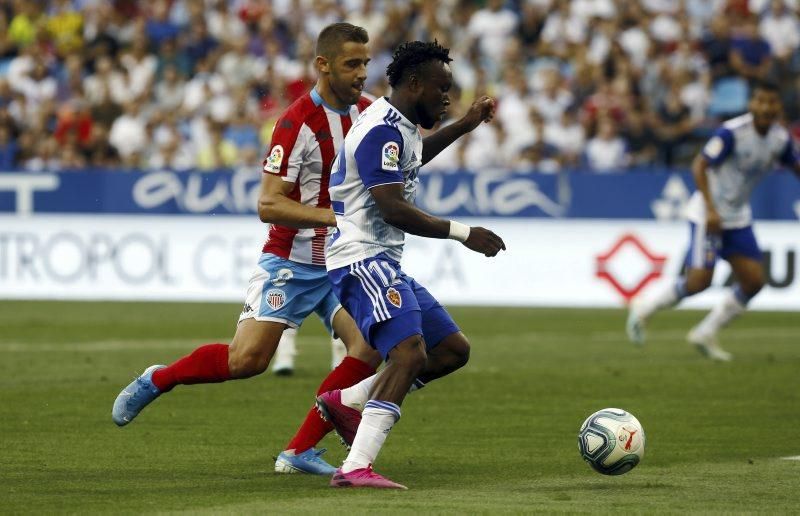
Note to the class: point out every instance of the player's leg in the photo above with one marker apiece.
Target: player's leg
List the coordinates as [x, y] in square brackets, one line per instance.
[448, 350]
[283, 361]
[405, 362]
[740, 249]
[360, 363]
[268, 310]
[248, 355]
[700, 260]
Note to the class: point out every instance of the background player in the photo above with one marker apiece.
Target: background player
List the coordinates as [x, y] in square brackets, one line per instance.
[733, 161]
[290, 280]
[373, 184]
[283, 360]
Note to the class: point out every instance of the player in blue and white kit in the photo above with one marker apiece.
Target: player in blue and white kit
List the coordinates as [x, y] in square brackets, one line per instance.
[741, 152]
[372, 188]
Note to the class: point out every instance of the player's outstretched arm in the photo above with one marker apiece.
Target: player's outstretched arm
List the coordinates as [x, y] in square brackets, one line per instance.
[482, 110]
[403, 215]
[275, 206]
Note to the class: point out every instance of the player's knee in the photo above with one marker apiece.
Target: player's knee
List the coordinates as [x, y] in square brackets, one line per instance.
[411, 356]
[246, 364]
[698, 284]
[460, 351]
[752, 286]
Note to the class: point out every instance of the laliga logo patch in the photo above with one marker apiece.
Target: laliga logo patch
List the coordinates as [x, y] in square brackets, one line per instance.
[391, 156]
[274, 160]
[394, 297]
[276, 298]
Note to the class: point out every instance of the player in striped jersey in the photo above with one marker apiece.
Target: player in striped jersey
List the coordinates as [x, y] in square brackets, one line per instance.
[373, 185]
[741, 152]
[290, 280]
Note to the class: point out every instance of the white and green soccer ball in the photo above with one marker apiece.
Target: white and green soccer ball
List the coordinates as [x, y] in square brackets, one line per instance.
[611, 441]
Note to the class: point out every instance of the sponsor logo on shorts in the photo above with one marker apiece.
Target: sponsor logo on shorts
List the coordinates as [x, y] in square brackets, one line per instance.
[394, 297]
[247, 308]
[276, 298]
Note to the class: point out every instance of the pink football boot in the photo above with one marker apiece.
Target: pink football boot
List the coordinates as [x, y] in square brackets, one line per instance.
[363, 477]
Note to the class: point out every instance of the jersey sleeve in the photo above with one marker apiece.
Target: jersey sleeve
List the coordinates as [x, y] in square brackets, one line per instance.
[286, 150]
[378, 157]
[789, 155]
[719, 147]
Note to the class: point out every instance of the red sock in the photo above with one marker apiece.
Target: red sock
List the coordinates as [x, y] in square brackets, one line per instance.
[314, 428]
[206, 364]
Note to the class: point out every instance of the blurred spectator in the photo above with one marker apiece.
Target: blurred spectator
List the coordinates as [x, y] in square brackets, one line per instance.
[640, 140]
[64, 24]
[567, 136]
[128, 134]
[606, 152]
[218, 153]
[9, 150]
[170, 90]
[672, 124]
[74, 123]
[779, 27]
[491, 27]
[159, 27]
[751, 56]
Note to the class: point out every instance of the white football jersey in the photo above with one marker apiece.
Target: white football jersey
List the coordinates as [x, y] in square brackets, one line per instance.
[382, 147]
[739, 158]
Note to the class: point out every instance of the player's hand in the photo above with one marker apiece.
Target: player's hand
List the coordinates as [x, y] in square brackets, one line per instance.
[713, 221]
[482, 110]
[483, 241]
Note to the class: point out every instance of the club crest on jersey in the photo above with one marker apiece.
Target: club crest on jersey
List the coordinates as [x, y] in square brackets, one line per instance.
[394, 297]
[274, 160]
[391, 156]
[276, 298]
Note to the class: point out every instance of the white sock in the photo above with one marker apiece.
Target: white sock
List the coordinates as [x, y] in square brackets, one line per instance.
[377, 420]
[356, 396]
[728, 309]
[669, 295]
[286, 351]
[338, 352]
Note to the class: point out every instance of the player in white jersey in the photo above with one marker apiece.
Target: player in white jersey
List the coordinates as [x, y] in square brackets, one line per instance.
[373, 183]
[290, 281]
[735, 159]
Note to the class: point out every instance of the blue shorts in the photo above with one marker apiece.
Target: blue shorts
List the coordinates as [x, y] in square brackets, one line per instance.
[284, 291]
[388, 305]
[704, 248]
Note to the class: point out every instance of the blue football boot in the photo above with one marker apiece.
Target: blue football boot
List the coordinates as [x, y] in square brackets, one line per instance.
[307, 462]
[136, 396]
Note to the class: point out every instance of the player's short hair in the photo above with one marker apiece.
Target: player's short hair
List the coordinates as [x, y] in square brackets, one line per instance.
[409, 56]
[764, 85]
[332, 37]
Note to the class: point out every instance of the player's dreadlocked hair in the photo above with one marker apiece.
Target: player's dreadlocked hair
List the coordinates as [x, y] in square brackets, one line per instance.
[408, 57]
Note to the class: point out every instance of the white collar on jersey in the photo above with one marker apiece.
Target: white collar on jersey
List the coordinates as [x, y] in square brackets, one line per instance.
[317, 98]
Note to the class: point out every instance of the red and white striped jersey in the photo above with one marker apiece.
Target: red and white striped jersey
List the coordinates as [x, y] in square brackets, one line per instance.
[304, 144]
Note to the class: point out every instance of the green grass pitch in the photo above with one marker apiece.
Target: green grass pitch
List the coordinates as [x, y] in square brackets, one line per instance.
[496, 437]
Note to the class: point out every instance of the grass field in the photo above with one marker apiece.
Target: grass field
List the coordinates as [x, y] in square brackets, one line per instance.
[496, 437]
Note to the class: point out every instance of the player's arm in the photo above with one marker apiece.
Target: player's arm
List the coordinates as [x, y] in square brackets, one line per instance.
[790, 158]
[281, 170]
[275, 206]
[400, 213]
[717, 150]
[482, 110]
[378, 158]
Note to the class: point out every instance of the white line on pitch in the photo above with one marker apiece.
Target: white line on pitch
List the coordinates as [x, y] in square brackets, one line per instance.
[796, 457]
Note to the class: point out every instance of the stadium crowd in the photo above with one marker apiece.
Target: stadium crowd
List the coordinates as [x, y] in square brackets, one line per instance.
[600, 85]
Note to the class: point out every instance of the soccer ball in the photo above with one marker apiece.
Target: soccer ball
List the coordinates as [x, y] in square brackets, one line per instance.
[611, 441]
